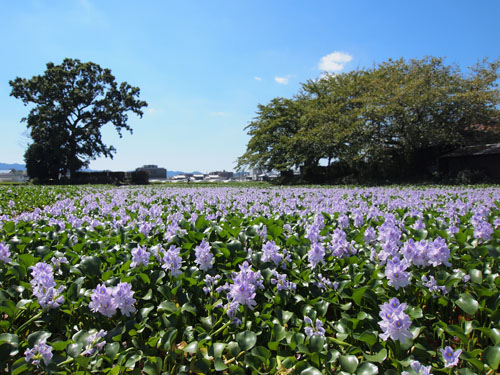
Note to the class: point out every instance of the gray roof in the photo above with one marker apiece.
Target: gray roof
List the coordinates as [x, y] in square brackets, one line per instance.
[490, 149]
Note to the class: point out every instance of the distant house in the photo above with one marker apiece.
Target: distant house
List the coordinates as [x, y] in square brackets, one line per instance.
[13, 176]
[154, 171]
[481, 158]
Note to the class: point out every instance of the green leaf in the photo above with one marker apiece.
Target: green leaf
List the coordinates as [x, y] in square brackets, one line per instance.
[476, 276]
[316, 344]
[494, 335]
[234, 348]
[74, 350]
[9, 338]
[379, 357]
[369, 337]
[279, 332]
[189, 307]
[246, 340]
[153, 366]
[37, 337]
[111, 349]
[367, 368]
[218, 349]
[357, 295]
[167, 306]
[310, 371]
[349, 363]
[191, 347]
[467, 303]
[219, 364]
[492, 356]
[91, 266]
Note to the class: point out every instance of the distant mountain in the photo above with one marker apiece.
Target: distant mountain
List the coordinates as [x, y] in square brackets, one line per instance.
[8, 167]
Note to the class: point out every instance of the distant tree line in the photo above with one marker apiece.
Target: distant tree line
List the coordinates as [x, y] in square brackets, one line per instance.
[387, 123]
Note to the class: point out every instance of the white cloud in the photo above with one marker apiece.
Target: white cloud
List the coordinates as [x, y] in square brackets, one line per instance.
[282, 80]
[334, 62]
[257, 78]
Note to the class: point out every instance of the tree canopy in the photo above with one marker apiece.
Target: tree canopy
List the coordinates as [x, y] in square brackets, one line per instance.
[72, 102]
[391, 121]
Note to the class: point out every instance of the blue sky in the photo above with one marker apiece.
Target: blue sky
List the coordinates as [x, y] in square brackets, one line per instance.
[203, 66]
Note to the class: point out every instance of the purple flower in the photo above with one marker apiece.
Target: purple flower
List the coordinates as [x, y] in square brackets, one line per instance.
[316, 330]
[419, 368]
[204, 257]
[370, 235]
[102, 301]
[39, 351]
[123, 298]
[172, 261]
[210, 283]
[4, 253]
[106, 300]
[396, 274]
[397, 327]
[395, 322]
[44, 286]
[245, 284]
[139, 256]
[450, 357]
[281, 282]
[94, 343]
[316, 254]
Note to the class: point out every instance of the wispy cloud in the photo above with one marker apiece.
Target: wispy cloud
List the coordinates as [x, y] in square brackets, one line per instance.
[334, 62]
[282, 80]
[257, 78]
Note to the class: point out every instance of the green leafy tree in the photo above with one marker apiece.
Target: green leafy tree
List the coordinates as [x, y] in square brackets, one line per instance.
[272, 136]
[391, 121]
[72, 102]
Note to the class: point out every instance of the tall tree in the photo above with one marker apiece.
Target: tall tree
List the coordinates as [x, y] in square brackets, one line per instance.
[272, 135]
[72, 102]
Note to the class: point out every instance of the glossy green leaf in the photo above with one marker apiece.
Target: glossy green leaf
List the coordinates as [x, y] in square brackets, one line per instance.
[378, 357]
[349, 363]
[492, 356]
[367, 368]
[467, 303]
[310, 371]
[246, 340]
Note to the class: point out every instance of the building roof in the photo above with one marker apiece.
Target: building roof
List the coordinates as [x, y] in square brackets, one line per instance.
[490, 149]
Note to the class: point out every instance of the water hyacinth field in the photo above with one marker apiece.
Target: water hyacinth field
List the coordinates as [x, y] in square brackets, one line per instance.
[155, 280]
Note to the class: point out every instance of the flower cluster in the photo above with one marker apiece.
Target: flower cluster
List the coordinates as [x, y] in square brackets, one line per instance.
[204, 258]
[172, 261]
[106, 300]
[418, 368]
[39, 351]
[44, 286]
[431, 283]
[4, 253]
[395, 322]
[245, 283]
[426, 253]
[316, 254]
[210, 283]
[314, 330]
[139, 256]
[395, 271]
[94, 343]
[281, 282]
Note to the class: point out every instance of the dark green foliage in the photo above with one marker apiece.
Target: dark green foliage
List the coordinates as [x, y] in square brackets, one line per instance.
[72, 101]
[391, 122]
